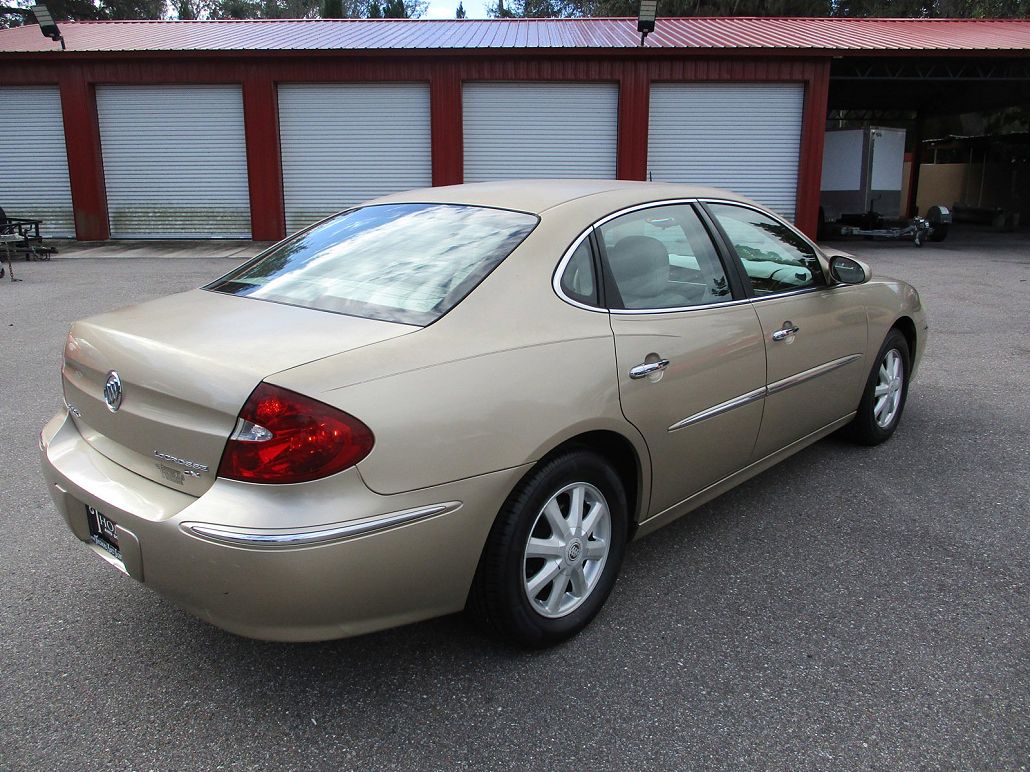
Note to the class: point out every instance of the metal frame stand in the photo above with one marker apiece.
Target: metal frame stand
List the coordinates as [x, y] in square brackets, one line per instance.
[8, 241]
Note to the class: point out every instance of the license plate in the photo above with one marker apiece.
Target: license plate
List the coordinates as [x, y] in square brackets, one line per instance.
[103, 531]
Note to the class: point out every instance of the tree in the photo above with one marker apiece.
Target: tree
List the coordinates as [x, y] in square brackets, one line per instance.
[235, 9]
[501, 11]
[307, 9]
[188, 10]
[87, 10]
[849, 8]
[888, 8]
[133, 9]
[290, 9]
[13, 16]
[460, 13]
[710, 7]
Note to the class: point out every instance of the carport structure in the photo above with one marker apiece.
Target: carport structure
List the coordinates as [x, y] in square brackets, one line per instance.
[256, 128]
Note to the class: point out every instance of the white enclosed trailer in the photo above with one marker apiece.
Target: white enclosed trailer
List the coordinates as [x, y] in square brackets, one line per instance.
[861, 188]
[862, 172]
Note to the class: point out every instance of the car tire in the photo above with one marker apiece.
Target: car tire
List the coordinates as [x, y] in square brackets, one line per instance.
[576, 485]
[883, 400]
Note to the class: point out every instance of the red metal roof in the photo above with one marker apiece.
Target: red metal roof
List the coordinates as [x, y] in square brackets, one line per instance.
[737, 33]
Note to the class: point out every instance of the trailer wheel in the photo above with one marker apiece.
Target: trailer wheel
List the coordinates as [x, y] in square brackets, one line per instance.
[940, 221]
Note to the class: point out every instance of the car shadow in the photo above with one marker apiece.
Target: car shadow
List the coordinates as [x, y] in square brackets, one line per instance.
[691, 552]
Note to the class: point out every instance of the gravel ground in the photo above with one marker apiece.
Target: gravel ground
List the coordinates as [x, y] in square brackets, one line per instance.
[850, 608]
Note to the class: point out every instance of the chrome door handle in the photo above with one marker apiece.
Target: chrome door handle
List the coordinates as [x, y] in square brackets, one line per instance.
[644, 370]
[788, 329]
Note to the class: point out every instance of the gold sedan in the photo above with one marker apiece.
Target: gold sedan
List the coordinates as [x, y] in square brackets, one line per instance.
[464, 397]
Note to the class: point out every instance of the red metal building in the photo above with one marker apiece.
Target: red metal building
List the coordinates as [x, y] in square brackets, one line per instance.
[253, 128]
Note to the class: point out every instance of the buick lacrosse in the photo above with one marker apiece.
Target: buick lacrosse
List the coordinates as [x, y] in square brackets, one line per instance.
[464, 397]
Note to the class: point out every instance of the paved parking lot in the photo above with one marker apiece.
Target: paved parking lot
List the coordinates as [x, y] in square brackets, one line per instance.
[850, 608]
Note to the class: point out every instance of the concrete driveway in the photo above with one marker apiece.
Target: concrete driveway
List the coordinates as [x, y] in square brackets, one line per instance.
[851, 608]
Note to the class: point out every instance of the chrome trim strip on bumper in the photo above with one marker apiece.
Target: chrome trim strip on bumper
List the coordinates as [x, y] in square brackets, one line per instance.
[764, 391]
[283, 539]
[815, 372]
[722, 407]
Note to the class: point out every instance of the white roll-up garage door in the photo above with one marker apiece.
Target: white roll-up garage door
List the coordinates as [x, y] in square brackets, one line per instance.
[344, 143]
[526, 130]
[742, 136]
[175, 161]
[33, 159]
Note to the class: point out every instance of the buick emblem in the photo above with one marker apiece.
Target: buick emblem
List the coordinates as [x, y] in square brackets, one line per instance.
[575, 549]
[113, 392]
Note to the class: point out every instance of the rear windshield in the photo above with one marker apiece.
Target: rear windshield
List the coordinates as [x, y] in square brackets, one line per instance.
[408, 263]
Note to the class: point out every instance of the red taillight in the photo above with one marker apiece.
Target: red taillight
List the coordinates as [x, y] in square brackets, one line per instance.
[285, 437]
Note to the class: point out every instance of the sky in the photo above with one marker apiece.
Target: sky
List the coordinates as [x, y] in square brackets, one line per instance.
[444, 9]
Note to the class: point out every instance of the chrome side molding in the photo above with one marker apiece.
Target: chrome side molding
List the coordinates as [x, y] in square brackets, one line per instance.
[764, 391]
[815, 372]
[285, 539]
[722, 407]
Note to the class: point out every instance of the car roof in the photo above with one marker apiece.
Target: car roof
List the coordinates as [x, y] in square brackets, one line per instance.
[538, 196]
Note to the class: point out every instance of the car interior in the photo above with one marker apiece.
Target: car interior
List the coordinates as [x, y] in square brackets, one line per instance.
[663, 258]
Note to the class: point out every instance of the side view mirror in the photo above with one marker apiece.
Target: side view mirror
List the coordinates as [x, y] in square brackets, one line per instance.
[846, 270]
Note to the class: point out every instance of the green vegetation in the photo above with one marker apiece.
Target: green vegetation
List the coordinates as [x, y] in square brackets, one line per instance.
[396, 9]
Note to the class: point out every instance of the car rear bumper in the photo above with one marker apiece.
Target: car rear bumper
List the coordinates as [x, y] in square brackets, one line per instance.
[312, 561]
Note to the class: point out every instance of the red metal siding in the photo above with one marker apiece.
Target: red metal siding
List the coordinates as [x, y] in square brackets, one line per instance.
[85, 163]
[634, 108]
[259, 77]
[261, 54]
[810, 160]
[446, 128]
[264, 164]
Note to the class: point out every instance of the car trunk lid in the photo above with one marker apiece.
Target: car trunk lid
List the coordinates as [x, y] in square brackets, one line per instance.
[185, 366]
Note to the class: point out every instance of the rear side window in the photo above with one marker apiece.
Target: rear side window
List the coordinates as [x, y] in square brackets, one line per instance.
[408, 263]
[662, 257]
[578, 281]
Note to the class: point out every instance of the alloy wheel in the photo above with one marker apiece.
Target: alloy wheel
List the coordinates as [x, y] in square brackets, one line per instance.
[567, 549]
[890, 382]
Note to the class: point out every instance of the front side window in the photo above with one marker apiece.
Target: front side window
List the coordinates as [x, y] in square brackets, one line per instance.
[663, 257]
[775, 258]
[408, 263]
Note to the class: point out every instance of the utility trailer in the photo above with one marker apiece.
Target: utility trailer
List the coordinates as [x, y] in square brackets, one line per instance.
[861, 189]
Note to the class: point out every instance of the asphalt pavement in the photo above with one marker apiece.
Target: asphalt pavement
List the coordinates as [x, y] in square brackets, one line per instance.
[850, 608]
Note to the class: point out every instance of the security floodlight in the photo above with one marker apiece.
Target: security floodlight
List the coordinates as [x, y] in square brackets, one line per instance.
[646, 17]
[46, 22]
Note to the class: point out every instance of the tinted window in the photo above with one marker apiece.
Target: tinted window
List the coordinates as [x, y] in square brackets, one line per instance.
[578, 282]
[407, 263]
[775, 258]
[662, 257]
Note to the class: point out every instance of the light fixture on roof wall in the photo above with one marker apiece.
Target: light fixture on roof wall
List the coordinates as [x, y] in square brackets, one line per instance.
[646, 17]
[46, 22]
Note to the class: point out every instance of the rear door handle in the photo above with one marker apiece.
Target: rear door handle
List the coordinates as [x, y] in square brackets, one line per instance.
[644, 370]
[788, 329]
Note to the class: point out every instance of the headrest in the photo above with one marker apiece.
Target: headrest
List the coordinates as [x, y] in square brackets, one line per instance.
[640, 265]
